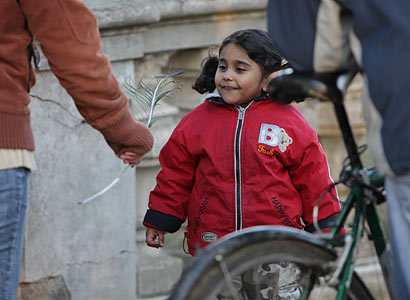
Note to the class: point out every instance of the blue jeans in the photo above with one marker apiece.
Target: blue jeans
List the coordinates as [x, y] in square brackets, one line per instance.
[14, 187]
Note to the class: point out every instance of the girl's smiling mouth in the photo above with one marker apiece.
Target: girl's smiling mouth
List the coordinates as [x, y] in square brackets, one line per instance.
[229, 88]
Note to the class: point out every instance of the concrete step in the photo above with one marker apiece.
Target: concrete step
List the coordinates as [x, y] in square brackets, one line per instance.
[157, 273]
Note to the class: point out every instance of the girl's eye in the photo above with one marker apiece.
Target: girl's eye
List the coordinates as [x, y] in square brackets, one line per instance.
[240, 69]
[221, 67]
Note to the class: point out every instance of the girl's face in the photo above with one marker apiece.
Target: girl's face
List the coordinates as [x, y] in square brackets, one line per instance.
[238, 78]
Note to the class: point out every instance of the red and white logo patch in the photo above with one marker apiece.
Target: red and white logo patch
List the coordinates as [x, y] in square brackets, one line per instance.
[273, 135]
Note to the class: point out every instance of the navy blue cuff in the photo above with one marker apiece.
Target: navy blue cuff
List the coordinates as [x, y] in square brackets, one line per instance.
[324, 223]
[162, 221]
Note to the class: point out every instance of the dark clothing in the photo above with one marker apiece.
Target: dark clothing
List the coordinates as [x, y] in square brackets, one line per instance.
[319, 36]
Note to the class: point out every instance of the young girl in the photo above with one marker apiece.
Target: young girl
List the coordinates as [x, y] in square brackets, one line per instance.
[239, 159]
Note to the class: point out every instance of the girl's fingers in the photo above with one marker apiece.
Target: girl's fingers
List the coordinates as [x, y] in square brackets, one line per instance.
[154, 238]
[161, 239]
[151, 241]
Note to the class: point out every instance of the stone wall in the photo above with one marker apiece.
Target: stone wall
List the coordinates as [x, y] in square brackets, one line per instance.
[92, 251]
[97, 250]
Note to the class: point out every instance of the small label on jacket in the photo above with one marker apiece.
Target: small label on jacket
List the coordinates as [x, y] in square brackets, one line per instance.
[209, 237]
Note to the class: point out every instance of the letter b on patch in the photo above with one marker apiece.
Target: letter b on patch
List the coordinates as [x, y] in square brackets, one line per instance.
[269, 135]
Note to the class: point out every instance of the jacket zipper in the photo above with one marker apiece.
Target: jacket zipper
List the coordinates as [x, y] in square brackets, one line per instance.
[237, 153]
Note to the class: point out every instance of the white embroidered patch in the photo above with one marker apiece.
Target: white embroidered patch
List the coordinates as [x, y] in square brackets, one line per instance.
[273, 135]
[285, 141]
[209, 237]
[269, 135]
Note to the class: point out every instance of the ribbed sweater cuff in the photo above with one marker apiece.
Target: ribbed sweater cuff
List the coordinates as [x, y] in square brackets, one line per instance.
[128, 135]
[15, 132]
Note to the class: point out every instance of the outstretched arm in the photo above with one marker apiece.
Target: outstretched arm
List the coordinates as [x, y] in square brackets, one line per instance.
[69, 37]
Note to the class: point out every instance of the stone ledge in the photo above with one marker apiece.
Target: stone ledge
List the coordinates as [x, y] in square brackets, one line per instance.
[135, 42]
[125, 13]
[51, 288]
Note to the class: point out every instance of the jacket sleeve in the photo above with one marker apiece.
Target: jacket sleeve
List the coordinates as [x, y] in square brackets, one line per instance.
[311, 176]
[168, 202]
[69, 37]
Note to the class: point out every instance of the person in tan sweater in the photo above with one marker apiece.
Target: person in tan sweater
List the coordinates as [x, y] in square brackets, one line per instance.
[69, 37]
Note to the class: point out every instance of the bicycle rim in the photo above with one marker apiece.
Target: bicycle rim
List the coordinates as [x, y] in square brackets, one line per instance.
[256, 266]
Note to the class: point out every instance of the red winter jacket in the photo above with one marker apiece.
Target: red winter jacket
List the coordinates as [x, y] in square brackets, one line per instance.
[228, 168]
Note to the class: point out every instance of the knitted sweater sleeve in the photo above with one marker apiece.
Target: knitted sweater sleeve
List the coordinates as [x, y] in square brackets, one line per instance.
[69, 37]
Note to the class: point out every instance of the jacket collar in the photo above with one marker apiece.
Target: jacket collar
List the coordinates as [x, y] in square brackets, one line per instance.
[216, 98]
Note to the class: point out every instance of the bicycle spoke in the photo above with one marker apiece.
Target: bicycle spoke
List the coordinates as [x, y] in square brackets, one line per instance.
[265, 268]
[307, 285]
[227, 277]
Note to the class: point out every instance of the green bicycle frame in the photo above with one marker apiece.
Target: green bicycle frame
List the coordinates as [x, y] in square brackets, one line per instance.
[365, 209]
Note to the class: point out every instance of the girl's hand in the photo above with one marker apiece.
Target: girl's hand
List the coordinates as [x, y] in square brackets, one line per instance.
[154, 237]
[131, 158]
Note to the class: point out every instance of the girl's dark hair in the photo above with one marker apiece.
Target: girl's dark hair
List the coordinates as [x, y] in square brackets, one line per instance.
[256, 43]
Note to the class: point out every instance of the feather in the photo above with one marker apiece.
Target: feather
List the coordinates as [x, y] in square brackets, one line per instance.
[147, 98]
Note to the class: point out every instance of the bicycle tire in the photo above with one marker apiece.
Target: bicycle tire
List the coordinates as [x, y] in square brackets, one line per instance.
[204, 279]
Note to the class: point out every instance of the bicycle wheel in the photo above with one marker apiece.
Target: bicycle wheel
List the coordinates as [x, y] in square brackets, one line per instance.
[215, 271]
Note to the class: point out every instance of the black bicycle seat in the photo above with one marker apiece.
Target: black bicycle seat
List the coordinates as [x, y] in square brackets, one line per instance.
[287, 86]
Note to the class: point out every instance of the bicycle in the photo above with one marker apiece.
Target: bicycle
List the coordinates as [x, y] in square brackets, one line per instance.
[322, 259]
